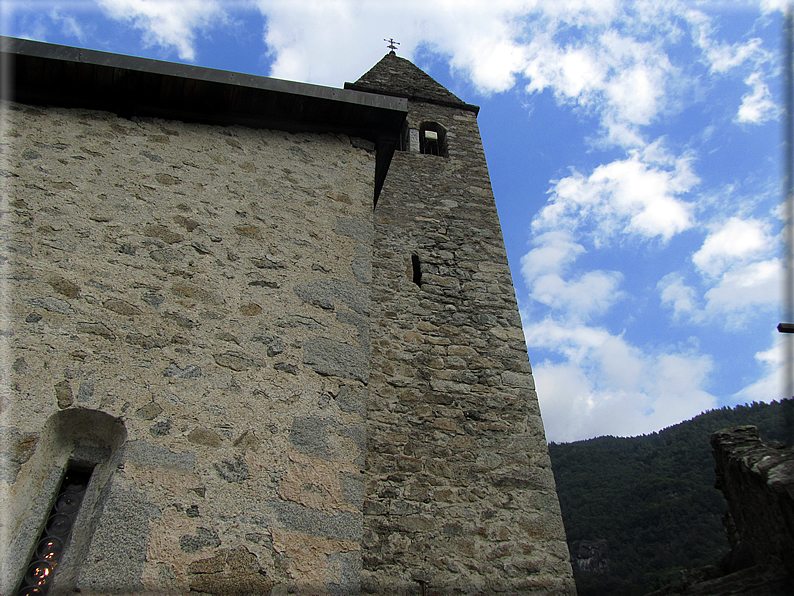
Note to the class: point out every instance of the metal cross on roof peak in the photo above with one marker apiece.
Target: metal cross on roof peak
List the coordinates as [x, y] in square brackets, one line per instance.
[392, 44]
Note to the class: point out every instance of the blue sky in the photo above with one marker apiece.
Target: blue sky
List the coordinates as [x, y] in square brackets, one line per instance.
[634, 151]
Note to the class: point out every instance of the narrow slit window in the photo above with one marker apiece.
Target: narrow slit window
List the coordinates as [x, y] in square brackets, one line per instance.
[417, 270]
[57, 532]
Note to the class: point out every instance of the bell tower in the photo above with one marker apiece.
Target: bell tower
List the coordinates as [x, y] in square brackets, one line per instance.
[460, 495]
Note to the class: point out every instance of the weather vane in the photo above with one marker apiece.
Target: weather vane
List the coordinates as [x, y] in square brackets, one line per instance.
[392, 44]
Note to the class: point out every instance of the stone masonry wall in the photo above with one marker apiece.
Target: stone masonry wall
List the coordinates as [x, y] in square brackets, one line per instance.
[758, 483]
[208, 288]
[460, 494]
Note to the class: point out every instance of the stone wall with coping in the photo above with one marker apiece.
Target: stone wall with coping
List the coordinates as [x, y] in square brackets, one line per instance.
[460, 493]
[209, 288]
[757, 480]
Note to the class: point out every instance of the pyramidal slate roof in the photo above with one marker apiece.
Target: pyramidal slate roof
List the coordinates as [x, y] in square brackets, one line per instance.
[401, 78]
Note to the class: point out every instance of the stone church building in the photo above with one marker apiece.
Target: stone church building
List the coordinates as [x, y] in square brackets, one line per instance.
[259, 337]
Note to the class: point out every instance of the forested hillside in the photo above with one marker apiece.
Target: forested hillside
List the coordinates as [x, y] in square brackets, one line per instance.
[638, 510]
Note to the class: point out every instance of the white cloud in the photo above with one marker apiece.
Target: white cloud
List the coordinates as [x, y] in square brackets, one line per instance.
[167, 23]
[494, 68]
[481, 39]
[580, 297]
[721, 56]
[637, 86]
[621, 77]
[724, 57]
[556, 250]
[574, 73]
[675, 293]
[770, 386]
[736, 241]
[630, 196]
[607, 386]
[69, 25]
[591, 293]
[757, 106]
[743, 290]
[739, 276]
[773, 5]
[732, 300]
